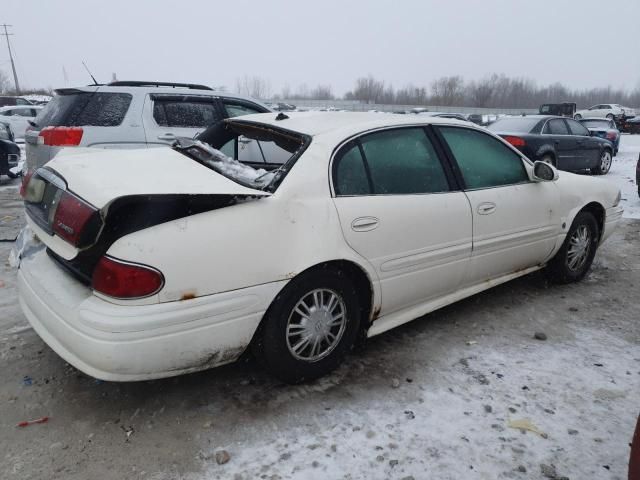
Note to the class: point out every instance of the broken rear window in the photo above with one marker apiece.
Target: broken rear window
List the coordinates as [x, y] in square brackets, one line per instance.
[252, 154]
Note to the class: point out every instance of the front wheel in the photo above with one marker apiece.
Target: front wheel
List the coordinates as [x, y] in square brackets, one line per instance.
[573, 260]
[548, 159]
[605, 163]
[310, 326]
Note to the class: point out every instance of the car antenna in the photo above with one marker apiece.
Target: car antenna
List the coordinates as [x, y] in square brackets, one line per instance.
[281, 116]
[89, 72]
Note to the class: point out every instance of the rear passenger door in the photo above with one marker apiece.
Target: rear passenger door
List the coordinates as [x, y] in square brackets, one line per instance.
[167, 116]
[515, 220]
[556, 133]
[399, 208]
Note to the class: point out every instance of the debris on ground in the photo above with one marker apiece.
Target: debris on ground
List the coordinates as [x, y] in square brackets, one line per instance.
[540, 336]
[27, 381]
[395, 383]
[525, 424]
[33, 422]
[222, 457]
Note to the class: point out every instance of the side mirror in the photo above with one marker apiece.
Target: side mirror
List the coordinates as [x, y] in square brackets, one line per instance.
[543, 172]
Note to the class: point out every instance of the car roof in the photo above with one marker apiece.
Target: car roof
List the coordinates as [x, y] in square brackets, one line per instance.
[13, 107]
[343, 123]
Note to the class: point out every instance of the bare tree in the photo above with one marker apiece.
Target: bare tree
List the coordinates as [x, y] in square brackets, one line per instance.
[322, 92]
[256, 87]
[368, 90]
[448, 91]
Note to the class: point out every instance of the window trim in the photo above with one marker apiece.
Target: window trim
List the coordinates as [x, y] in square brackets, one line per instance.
[355, 139]
[542, 132]
[241, 102]
[451, 157]
[568, 124]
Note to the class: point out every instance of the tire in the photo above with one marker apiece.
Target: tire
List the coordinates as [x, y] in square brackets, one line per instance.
[605, 163]
[548, 158]
[566, 267]
[610, 116]
[12, 175]
[577, 116]
[280, 340]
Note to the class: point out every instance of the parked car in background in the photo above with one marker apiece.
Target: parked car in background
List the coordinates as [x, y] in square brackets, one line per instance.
[456, 116]
[603, 128]
[632, 125]
[9, 151]
[562, 142]
[612, 111]
[565, 109]
[19, 117]
[10, 101]
[129, 114]
[373, 221]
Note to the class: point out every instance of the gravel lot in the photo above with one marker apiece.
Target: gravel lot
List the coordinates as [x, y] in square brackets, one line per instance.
[465, 392]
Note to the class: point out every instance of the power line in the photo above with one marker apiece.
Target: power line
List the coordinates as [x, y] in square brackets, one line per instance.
[13, 66]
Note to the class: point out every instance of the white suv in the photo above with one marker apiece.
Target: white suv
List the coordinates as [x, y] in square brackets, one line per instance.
[128, 114]
[612, 111]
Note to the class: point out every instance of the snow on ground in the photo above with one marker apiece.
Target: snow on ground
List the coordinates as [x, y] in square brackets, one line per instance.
[623, 173]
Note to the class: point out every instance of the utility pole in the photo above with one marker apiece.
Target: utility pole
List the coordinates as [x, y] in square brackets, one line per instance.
[13, 65]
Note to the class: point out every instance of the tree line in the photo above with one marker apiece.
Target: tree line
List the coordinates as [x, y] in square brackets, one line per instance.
[493, 91]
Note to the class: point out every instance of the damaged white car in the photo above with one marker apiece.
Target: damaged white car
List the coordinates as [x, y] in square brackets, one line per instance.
[192, 257]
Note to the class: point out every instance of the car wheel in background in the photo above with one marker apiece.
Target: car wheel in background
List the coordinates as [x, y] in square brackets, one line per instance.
[610, 116]
[309, 327]
[605, 163]
[572, 262]
[547, 158]
[577, 116]
[12, 175]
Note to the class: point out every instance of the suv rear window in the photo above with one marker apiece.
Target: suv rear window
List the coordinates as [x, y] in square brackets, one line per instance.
[80, 109]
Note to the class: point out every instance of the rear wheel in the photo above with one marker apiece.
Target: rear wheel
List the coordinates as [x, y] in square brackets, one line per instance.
[577, 116]
[573, 260]
[12, 175]
[605, 163]
[610, 116]
[310, 326]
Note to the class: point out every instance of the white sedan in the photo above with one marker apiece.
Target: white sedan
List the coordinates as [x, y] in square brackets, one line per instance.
[192, 257]
[19, 117]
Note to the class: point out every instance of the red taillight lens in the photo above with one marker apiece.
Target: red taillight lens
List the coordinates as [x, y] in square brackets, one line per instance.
[71, 217]
[61, 136]
[515, 141]
[119, 279]
[611, 136]
[25, 181]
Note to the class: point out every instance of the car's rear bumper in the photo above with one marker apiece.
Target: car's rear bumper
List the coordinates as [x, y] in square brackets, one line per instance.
[129, 343]
[613, 216]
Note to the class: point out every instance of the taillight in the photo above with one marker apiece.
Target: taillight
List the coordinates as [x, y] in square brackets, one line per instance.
[611, 136]
[515, 141]
[25, 181]
[120, 279]
[61, 136]
[72, 218]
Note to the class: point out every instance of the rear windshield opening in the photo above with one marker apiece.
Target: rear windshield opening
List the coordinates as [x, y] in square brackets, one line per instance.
[596, 123]
[514, 124]
[77, 108]
[254, 155]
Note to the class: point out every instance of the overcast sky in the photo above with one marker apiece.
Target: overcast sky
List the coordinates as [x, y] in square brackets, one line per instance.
[580, 43]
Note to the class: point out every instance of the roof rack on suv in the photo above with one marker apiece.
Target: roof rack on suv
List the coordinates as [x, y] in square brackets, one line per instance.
[135, 83]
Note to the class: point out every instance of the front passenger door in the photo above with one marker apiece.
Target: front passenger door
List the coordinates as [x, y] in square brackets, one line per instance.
[515, 220]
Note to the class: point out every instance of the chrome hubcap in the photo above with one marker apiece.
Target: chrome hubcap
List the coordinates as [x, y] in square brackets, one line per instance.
[605, 161]
[579, 248]
[316, 325]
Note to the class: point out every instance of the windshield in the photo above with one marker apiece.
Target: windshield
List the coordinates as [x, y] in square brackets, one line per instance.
[596, 123]
[254, 155]
[514, 124]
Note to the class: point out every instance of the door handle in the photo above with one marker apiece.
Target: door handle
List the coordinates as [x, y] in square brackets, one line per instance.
[364, 224]
[167, 136]
[486, 208]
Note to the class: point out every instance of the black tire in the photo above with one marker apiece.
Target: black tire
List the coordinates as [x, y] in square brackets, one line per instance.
[559, 269]
[610, 116]
[12, 175]
[548, 158]
[272, 344]
[606, 159]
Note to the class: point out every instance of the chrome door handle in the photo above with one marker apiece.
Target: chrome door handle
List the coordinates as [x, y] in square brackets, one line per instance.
[486, 208]
[364, 224]
[167, 136]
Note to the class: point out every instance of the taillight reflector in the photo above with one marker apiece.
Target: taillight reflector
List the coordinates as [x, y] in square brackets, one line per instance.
[61, 136]
[515, 141]
[71, 217]
[120, 279]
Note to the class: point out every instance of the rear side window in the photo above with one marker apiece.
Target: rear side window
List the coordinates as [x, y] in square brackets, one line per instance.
[556, 127]
[392, 162]
[484, 161]
[89, 109]
[238, 109]
[186, 114]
